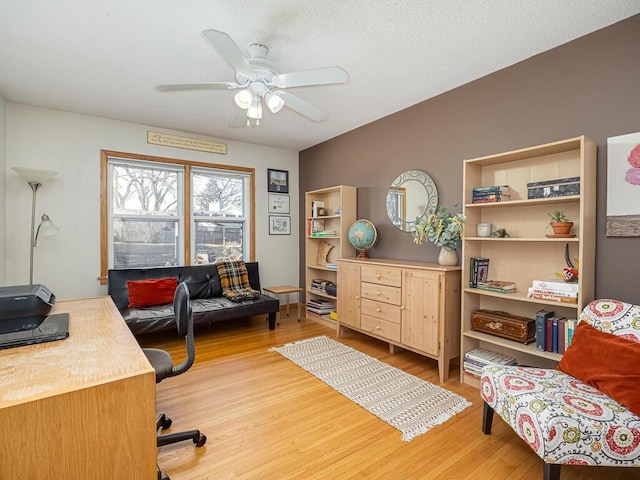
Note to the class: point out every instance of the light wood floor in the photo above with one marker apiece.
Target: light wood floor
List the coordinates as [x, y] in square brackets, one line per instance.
[266, 418]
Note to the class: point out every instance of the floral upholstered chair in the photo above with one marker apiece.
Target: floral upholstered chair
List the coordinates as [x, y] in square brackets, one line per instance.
[587, 412]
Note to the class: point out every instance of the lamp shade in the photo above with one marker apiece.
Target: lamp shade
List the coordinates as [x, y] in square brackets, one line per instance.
[37, 175]
[255, 110]
[244, 98]
[47, 227]
[274, 102]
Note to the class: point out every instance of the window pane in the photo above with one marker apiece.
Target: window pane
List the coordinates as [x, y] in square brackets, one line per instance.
[217, 196]
[144, 243]
[219, 241]
[144, 191]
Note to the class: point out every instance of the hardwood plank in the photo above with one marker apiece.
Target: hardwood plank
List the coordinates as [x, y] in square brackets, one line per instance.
[266, 418]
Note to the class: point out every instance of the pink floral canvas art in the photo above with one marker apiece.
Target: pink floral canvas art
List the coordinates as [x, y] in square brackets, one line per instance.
[623, 185]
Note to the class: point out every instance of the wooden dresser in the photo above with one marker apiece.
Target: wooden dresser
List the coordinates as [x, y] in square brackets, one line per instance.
[412, 305]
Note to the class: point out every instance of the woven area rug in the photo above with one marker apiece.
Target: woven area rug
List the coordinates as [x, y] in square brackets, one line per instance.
[404, 401]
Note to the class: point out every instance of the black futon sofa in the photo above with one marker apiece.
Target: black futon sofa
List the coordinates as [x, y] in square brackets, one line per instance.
[207, 302]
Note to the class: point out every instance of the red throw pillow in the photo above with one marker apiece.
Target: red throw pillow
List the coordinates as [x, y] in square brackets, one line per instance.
[607, 362]
[146, 293]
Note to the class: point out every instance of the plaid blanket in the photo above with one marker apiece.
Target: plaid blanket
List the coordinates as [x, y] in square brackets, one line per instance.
[234, 281]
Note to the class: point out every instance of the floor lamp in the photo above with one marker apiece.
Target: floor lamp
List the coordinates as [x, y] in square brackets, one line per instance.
[36, 177]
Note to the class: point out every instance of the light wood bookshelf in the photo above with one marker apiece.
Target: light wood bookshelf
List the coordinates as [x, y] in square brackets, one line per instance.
[528, 254]
[340, 203]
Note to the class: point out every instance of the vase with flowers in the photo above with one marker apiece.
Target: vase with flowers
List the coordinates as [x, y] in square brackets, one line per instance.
[444, 230]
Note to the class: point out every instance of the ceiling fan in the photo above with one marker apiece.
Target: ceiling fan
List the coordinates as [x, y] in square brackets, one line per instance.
[259, 80]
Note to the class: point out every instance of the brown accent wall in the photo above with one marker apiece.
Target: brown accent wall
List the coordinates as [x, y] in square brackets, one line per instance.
[589, 86]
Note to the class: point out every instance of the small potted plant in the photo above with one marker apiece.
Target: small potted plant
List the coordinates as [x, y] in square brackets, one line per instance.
[560, 223]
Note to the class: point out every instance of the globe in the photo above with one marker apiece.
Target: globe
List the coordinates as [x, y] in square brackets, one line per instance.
[363, 236]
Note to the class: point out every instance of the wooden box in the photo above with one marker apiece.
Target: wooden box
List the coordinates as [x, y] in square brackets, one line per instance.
[505, 325]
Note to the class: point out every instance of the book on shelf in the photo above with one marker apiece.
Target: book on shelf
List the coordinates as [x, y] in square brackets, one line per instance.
[502, 189]
[541, 327]
[486, 357]
[320, 303]
[558, 293]
[332, 266]
[500, 286]
[475, 360]
[554, 297]
[325, 233]
[320, 284]
[478, 270]
[556, 284]
[317, 311]
[557, 337]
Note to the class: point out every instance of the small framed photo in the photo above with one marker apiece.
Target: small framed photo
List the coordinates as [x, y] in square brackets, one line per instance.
[277, 181]
[278, 203]
[279, 225]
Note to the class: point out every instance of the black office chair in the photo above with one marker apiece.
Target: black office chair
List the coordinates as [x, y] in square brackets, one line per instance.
[162, 363]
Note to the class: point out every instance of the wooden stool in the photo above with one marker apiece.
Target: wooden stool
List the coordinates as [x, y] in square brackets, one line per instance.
[285, 290]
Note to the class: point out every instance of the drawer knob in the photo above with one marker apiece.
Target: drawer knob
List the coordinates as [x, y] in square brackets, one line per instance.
[402, 307]
[357, 297]
[378, 293]
[379, 277]
[378, 310]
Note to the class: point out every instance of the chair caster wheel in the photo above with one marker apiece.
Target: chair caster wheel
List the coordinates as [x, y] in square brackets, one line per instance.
[166, 423]
[200, 441]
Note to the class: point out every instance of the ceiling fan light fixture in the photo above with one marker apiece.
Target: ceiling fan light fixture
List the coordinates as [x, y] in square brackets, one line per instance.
[244, 98]
[255, 110]
[274, 102]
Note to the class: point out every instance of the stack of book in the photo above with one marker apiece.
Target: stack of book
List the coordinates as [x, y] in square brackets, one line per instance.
[320, 307]
[320, 285]
[553, 333]
[557, 290]
[478, 270]
[331, 266]
[476, 359]
[490, 194]
[500, 286]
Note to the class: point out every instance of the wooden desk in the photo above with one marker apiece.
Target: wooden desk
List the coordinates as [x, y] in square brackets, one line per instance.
[79, 408]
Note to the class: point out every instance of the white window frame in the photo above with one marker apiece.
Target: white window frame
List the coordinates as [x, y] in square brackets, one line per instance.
[187, 235]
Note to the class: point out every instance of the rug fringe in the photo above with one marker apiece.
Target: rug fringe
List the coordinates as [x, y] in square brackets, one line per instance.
[409, 435]
[298, 342]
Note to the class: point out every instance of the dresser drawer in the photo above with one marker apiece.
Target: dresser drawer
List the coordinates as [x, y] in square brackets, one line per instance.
[381, 328]
[381, 310]
[382, 293]
[384, 276]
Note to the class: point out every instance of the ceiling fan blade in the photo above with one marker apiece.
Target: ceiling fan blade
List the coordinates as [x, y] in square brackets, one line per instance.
[317, 76]
[198, 86]
[239, 118]
[303, 107]
[229, 51]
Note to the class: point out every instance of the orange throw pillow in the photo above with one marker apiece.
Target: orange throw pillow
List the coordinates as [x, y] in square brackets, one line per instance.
[146, 293]
[606, 362]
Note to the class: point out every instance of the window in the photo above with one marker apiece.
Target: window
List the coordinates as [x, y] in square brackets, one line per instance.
[162, 212]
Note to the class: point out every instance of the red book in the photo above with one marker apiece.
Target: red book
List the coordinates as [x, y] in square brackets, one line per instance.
[548, 344]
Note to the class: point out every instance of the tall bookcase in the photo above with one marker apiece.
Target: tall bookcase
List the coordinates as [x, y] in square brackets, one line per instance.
[339, 205]
[528, 253]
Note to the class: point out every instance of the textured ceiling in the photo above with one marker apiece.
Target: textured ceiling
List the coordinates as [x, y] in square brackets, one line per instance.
[104, 58]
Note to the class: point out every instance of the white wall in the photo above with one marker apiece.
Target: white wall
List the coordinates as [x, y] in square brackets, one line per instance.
[3, 203]
[69, 262]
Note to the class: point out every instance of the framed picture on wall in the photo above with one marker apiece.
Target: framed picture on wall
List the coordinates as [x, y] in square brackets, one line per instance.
[279, 225]
[623, 185]
[277, 181]
[278, 203]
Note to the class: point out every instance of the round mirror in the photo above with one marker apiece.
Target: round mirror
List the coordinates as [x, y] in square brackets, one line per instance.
[412, 195]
